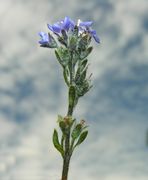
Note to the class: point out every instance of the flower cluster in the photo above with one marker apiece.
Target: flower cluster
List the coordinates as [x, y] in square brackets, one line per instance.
[65, 27]
[72, 46]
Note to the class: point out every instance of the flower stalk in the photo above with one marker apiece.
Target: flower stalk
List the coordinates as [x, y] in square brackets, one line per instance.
[71, 42]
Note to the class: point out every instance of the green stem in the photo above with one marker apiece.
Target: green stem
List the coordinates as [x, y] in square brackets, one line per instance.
[67, 155]
[71, 69]
[66, 162]
[66, 158]
[68, 152]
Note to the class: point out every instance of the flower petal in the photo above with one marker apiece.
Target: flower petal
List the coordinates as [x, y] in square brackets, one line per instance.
[86, 23]
[95, 36]
[67, 23]
[49, 27]
[56, 28]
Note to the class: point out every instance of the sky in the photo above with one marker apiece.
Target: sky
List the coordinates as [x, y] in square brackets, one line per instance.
[33, 93]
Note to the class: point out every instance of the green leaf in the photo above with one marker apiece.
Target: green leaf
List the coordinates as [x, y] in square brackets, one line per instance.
[60, 118]
[83, 75]
[66, 74]
[81, 72]
[62, 55]
[81, 138]
[83, 64]
[56, 143]
[62, 41]
[72, 122]
[85, 53]
[58, 57]
[89, 50]
[73, 43]
[84, 42]
[53, 43]
[83, 87]
[77, 74]
[62, 126]
[76, 131]
[65, 37]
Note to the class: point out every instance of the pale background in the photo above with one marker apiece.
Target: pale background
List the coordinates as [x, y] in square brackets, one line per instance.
[32, 91]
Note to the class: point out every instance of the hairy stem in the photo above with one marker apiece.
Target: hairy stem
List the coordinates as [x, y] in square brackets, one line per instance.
[67, 154]
[66, 158]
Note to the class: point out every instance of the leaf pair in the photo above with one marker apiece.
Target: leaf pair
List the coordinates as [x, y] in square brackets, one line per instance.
[79, 134]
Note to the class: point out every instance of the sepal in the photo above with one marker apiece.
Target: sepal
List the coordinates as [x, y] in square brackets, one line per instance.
[52, 42]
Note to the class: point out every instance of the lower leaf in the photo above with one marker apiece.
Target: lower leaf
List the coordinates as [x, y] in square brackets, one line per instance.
[56, 143]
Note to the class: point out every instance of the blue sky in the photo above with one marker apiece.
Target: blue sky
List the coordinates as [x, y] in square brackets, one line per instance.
[32, 92]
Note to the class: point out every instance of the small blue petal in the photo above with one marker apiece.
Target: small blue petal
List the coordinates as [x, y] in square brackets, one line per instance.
[50, 27]
[56, 28]
[94, 35]
[96, 38]
[86, 23]
[42, 42]
[44, 38]
[41, 34]
[66, 23]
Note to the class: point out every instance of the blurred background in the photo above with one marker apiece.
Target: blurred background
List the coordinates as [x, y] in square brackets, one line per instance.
[32, 91]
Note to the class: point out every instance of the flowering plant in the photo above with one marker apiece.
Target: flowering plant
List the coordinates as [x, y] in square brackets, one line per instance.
[71, 42]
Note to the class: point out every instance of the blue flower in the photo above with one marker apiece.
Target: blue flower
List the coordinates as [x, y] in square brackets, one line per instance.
[85, 26]
[47, 40]
[65, 24]
[44, 38]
